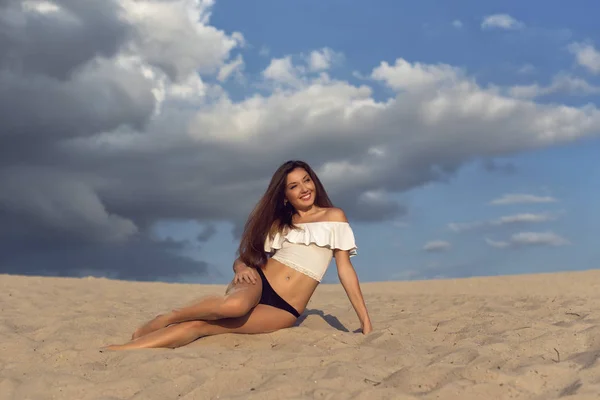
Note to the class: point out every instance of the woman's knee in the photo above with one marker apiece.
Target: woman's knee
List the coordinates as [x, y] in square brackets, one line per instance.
[235, 306]
[196, 326]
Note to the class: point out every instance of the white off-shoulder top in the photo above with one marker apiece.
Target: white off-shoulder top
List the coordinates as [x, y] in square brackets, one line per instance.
[309, 249]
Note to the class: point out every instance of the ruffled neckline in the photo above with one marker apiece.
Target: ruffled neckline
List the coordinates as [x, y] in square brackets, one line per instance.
[336, 235]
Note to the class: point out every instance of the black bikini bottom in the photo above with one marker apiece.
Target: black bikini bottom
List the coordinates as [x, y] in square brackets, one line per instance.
[270, 298]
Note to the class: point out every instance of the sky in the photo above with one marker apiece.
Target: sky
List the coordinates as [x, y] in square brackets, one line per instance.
[460, 140]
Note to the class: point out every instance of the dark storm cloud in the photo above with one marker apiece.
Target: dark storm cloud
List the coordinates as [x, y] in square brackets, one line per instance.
[138, 259]
[56, 43]
[58, 81]
[61, 201]
[60, 228]
[206, 233]
[37, 111]
[491, 165]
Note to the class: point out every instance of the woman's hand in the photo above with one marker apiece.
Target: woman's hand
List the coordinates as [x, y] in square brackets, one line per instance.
[245, 274]
[366, 328]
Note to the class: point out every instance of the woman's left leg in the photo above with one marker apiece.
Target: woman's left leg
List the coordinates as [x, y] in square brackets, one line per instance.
[262, 319]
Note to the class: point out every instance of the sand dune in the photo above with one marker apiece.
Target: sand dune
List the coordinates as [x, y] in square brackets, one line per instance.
[522, 337]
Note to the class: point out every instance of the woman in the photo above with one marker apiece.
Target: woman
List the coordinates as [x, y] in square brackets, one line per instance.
[288, 242]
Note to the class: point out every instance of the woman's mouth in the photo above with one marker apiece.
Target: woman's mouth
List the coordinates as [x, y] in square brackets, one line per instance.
[306, 197]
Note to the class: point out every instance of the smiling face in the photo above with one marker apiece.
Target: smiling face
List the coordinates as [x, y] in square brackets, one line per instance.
[300, 189]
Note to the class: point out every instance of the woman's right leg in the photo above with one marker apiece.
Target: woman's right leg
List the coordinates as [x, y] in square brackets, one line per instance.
[262, 319]
[239, 299]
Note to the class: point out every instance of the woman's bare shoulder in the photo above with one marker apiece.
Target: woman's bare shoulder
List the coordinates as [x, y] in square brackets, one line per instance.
[335, 214]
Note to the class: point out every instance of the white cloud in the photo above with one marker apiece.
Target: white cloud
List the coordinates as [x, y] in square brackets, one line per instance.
[264, 51]
[501, 21]
[457, 24]
[524, 218]
[520, 198]
[48, 10]
[42, 7]
[309, 69]
[322, 60]
[560, 84]
[497, 243]
[587, 56]
[466, 226]
[404, 75]
[175, 36]
[234, 67]
[447, 113]
[282, 70]
[523, 239]
[436, 246]
[538, 238]
[526, 69]
[376, 151]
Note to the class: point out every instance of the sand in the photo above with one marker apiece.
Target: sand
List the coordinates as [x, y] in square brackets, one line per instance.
[521, 337]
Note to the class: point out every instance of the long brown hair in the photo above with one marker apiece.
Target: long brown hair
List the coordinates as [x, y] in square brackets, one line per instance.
[271, 215]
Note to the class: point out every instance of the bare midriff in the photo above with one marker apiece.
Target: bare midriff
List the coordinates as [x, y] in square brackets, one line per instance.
[293, 286]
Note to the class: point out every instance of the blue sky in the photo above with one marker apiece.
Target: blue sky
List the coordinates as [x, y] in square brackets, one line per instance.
[460, 138]
[435, 32]
[368, 33]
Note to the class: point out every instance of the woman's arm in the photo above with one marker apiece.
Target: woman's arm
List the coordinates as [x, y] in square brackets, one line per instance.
[349, 281]
[237, 264]
[348, 277]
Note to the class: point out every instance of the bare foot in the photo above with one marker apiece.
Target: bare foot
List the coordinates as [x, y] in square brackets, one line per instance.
[157, 323]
